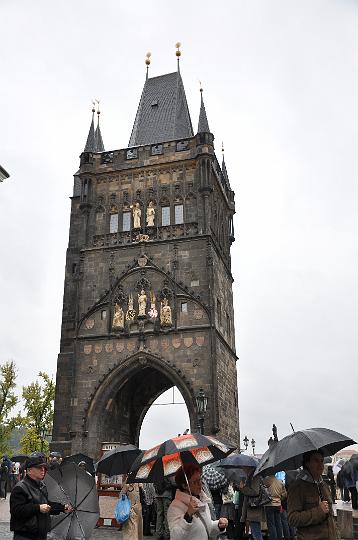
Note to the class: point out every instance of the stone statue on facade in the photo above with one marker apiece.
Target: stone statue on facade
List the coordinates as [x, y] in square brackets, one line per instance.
[137, 213]
[142, 303]
[118, 317]
[130, 315]
[165, 313]
[150, 215]
[153, 313]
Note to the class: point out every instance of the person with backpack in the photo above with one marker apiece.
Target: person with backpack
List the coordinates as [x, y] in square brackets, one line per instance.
[255, 515]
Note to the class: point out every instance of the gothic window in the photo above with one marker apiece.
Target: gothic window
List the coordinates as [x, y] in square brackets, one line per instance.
[103, 314]
[218, 310]
[184, 307]
[179, 214]
[165, 215]
[113, 223]
[100, 220]
[126, 223]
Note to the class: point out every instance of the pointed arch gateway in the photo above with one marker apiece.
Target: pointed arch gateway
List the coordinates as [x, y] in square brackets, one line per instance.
[117, 409]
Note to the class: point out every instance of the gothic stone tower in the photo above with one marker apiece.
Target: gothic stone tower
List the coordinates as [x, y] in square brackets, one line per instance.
[148, 287]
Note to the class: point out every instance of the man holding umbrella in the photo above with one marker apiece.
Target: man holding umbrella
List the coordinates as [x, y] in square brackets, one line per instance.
[30, 508]
[310, 503]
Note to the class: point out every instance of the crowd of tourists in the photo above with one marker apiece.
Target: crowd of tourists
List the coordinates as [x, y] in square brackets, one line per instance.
[297, 504]
[300, 506]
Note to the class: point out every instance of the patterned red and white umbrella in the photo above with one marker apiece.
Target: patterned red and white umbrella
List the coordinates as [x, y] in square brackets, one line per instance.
[166, 458]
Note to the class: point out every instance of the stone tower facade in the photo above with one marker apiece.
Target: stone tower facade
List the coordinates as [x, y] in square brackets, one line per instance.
[148, 286]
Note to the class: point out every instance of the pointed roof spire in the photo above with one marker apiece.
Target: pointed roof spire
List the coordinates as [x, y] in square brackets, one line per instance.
[223, 166]
[99, 146]
[178, 54]
[163, 113]
[203, 125]
[91, 141]
[147, 63]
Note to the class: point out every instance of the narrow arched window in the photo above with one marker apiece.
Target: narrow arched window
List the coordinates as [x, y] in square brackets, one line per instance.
[165, 215]
[179, 214]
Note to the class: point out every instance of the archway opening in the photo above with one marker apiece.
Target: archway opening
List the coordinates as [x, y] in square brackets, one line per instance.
[123, 400]
[167, 417]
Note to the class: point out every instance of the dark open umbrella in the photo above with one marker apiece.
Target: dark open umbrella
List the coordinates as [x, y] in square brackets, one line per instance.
[118, 461]
[238, 461]
[287, 453]
[166, 458]
[78, 458]
[69, 484]
[232, 466]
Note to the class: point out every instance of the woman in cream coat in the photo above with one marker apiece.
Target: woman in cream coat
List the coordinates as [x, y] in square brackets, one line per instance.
[189, 515]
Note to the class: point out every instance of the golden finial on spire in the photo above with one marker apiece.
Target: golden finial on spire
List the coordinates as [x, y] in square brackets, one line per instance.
[147, 61]
[93, 106]
[200, 86]
[178, 53]
[222, 148]
[147, 58]
[98, 111]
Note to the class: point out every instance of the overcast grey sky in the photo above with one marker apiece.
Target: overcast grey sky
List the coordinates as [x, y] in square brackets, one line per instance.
[280, 87]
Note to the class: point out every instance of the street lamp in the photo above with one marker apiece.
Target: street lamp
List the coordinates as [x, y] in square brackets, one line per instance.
[253, 444]
[201, 406]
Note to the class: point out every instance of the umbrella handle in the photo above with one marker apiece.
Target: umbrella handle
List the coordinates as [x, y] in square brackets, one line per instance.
[186, 478]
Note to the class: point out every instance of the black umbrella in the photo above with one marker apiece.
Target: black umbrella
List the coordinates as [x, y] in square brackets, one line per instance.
[69, 484]
[20, 458]
[238, 461]
[78, 458]
[287, 453]
[118, 461]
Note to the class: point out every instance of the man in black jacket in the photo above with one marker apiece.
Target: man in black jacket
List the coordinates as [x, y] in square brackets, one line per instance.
[30, 508]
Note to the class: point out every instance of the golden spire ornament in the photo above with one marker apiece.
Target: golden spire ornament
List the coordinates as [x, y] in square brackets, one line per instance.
[178, 52]
[147, 61]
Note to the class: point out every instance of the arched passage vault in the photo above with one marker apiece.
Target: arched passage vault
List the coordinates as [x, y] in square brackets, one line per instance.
[120, 402]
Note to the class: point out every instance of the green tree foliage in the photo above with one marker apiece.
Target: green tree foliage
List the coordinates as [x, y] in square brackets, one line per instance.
[8, 400]
[38, 403]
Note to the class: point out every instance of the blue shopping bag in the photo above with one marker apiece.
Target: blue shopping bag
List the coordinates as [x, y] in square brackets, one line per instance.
[123, 509]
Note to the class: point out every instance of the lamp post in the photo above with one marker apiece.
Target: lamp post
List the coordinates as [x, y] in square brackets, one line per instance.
[253, 444]
[201, 406]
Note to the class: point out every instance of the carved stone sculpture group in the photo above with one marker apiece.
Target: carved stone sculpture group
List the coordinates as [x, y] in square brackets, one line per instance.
[120, 317]
[137, 215]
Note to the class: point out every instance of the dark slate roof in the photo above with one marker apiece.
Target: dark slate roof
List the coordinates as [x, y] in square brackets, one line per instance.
[163, 113]
[224, 171]
[94, 140]
[203, 124]
[91, 141]
[98, 139]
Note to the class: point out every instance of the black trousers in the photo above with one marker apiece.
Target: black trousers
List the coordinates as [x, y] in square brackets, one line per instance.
[353, 492]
